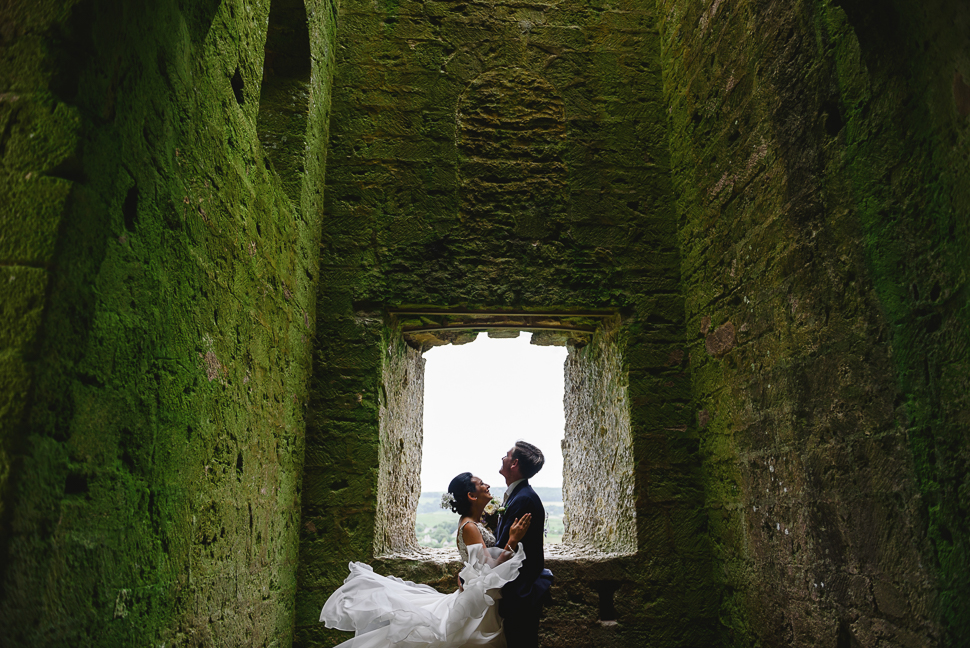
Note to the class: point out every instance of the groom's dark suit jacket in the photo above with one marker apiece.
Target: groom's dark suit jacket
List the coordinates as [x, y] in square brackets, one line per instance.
[525, 593]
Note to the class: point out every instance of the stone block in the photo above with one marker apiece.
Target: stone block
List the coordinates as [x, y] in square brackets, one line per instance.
[32, 218]
[43, 138]
[22, 298]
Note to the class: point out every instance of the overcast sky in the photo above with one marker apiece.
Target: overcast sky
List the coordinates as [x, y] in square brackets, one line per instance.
[480, 398]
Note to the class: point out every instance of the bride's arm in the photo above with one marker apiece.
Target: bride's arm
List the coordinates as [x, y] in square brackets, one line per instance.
[496, 559]
[473, 536]
[516, 533]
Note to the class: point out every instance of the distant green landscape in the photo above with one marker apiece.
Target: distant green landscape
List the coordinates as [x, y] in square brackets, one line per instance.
[436, 527]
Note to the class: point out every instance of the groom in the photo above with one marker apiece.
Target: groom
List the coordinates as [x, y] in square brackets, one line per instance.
[521, 600]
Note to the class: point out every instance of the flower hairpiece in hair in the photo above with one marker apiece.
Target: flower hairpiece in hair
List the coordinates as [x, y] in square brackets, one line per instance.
[447, 500]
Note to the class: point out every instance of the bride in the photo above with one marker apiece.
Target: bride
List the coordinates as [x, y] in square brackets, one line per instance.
[387, 611]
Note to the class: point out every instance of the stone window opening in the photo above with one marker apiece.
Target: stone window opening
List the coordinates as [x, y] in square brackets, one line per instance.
[479, 399]
[598, 476]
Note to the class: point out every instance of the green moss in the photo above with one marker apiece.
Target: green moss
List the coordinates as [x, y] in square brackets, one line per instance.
[21, 305]
[800, 167]
[35, 208]
[914, 247]
[163, 445]
[794, 169]
[424, 208]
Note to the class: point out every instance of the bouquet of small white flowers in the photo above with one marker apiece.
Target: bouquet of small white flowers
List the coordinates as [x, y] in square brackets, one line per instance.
[447, 499]
[494, 508]
[490, 516]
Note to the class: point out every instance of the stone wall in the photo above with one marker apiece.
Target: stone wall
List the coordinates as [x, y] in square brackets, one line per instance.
[158, 283]
[772, 196]
[819, 154]
[503, 156]
[598, 476]
[401, 418]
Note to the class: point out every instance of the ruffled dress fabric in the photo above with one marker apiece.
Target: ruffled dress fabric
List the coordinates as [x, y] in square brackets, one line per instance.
[387, 611]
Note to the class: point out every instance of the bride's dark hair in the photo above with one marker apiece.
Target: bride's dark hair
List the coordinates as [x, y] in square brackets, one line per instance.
[459, 488]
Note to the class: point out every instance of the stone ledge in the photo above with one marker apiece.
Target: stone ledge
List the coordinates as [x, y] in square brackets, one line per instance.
[575, 567]
[447, 555]
[575, 552]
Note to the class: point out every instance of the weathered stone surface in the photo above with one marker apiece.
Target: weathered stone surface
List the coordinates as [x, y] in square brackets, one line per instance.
[480, 165]
[154, 359]
[401, 419]
[800, 138]
[598, 474]
[721, 340]
[771, 197]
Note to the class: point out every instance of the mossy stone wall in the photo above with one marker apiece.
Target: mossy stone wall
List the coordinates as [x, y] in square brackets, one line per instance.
[159, 303]
[504, 155]
[819, 152]
[597, 449]
[772, 198]
[401, 439]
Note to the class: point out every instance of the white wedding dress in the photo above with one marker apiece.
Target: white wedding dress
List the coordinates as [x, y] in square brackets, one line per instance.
[387, 611]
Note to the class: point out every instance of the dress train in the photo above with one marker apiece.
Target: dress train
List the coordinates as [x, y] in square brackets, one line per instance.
[388, 611]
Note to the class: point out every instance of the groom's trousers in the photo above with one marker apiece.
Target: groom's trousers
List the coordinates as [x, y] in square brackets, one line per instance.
[523, 631]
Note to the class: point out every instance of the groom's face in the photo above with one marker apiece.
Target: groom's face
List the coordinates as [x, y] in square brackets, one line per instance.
[507, 460]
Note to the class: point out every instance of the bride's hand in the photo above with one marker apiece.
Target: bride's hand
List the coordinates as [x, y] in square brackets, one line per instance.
[519, 528]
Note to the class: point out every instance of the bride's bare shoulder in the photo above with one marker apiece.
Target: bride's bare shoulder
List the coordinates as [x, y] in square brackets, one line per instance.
[469, 531]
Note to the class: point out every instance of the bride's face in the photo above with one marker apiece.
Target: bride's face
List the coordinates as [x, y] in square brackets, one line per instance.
[481, 489]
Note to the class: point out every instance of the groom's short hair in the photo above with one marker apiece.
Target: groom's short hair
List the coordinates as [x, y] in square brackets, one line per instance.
[530, 458]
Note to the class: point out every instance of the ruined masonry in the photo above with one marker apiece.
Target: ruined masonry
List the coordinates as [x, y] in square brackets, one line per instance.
[230, 228]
